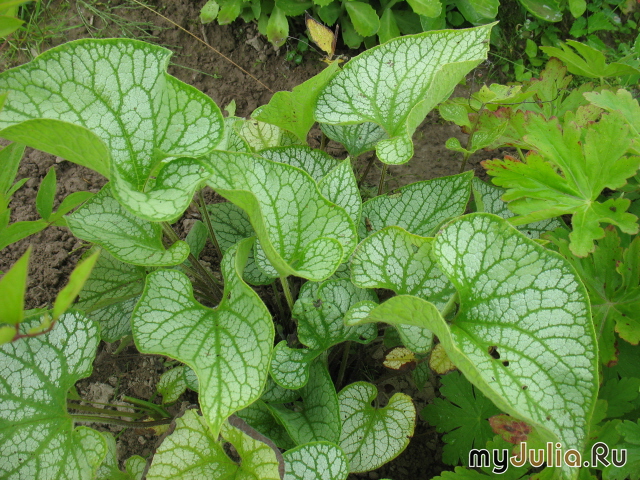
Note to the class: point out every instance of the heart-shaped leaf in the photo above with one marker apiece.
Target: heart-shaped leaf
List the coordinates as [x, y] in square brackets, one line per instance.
[368, 88]
[523, 334]
[192, 450]
[102, 220]
[315, 162]
[109, 104]
[315, 460]
[259, 416]
[290, 366]
[373, 436]
[168, 321]
[340, 187]
[300, 232]
[420, 207]
[357, 138]
[317, 418]
[37, 438]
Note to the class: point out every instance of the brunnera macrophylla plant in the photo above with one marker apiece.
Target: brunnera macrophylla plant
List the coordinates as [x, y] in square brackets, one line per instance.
[476, 282]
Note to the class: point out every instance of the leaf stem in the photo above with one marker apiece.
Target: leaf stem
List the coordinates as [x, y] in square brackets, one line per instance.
[383, 174]
[101, 411]
[287, 292]
[204, 213]
[117, 421]
[343, 364]
[276, 295]
[148, 406]
[465, 157]
[367, 168]
[451, 306]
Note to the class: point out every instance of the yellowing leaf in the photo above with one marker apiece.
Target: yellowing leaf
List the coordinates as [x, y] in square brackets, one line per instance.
[439, 361]
[400, 358]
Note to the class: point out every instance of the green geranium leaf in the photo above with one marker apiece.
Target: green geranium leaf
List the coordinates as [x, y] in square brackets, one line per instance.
[317, 417]
[397, 260]
[420, 207]
[525, 304]
[193, 451]
[127, 116]
[320, 309]
[623, 102]
[588, 159]
[102, 220]
[367, 90]
[109, 295]
[631, 432]
[259, 416]
[300, 232]
[290, 366]
[293, 111]
[373, 436]
[315, 162]
[341, 187]
[231, 224]
[315, 460]
[463, 416]
[357, 138]
[168, 321]
[488, 199]
[37, 437]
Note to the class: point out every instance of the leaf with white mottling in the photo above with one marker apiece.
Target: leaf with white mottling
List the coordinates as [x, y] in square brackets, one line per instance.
[37, 438]
[300, 232]
[193, 452]
[260, 417]
[396, 84]
[109, 470]
[110, 294]
[317, 417]
[315, 162]
[172, 384]
[110, 105]
[357, 138]
[341, 187]
[102, 220]
[290, 366]
[229, 348]
[487, 198]
[372, 436]
[524, 303]
[420, 207]
[397, 260]
[320, 308]
[274, 393]
[316, 460]
[231, 224]
[260, 135]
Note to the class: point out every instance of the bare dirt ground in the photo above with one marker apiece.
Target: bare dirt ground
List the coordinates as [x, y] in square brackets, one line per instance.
[56, 251]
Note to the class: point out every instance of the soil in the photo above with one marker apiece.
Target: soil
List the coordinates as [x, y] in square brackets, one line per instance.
[56, 251]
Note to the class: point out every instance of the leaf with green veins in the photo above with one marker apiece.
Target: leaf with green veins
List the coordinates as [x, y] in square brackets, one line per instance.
[102, 220]
[320, 308]
[192, 450]
[368, 90]
[487, 198]
[356, 138]
[196, 239]
[12, 288]
[109, 470]
[614, 299]
[259, 416]
[232, 141]
[420, 207]
[463, 416]
[231, 224]
[341, 187]
[290, 366]
[46, 194]
[293, 111]
[110, 294]
[37, 437]
[275, 394]
[622, 102]
[373, 436]
[316, 163]
[529, 304]
[587, 163]
[172, 384]
[393, 258]
[630, 470]
[128, 116]
[315, 460]
[300, 232]
[317, 418]
[260, 135]
[168, 321]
